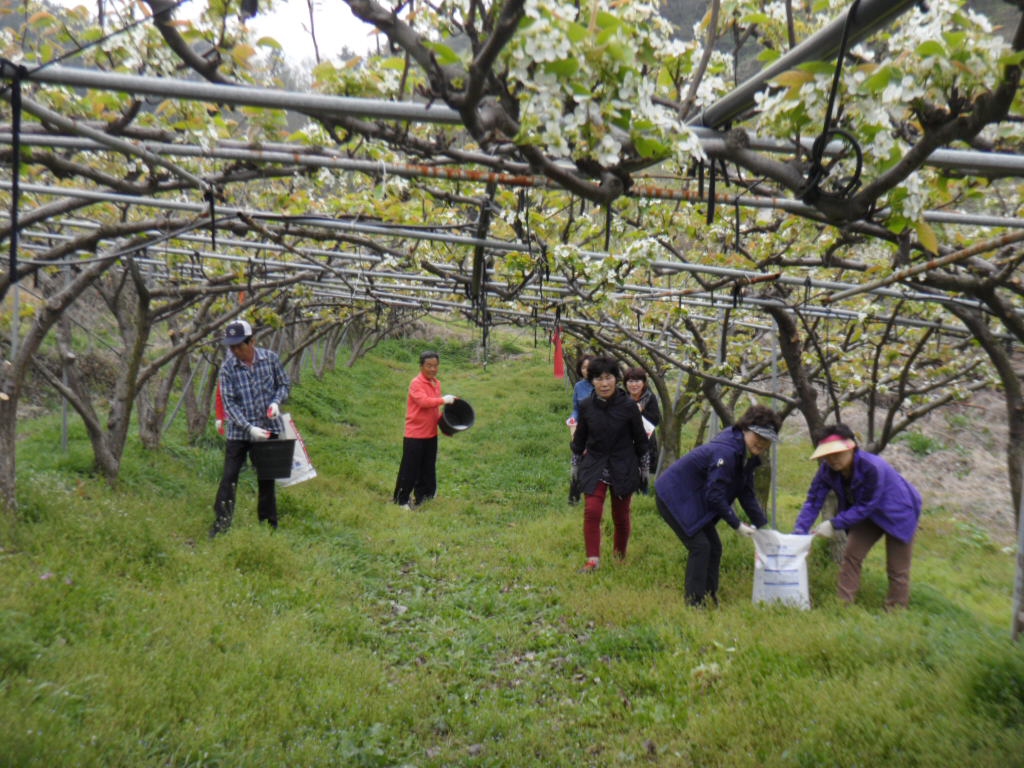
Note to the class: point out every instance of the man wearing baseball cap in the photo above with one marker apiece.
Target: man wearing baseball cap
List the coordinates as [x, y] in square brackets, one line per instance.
[874, 501]
[253, 384]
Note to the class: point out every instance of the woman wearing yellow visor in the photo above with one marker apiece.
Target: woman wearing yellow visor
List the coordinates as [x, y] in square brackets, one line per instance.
[874, 501]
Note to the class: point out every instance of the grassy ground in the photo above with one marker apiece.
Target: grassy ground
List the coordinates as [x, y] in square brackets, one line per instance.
[461, 634]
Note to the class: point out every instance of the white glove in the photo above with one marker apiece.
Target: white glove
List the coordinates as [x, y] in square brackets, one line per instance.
[273, 410]
[825, 530]
[220, 425]
[746, 530]
[449, 399]
[258, 433]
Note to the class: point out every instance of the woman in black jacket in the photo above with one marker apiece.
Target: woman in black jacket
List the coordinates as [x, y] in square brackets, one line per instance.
[636, 387]
[609, 448]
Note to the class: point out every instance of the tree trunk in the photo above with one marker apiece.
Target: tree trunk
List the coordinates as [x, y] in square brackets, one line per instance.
[12, 376]
[791, 347]
[8, 441]
[1013, 393]
[152, 408]
[198, 394]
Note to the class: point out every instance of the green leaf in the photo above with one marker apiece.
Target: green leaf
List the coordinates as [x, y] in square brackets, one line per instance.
[878, 81]
[606, 20]
[42, 20]
[930, 48]
[793, 78]
[1012, 59]
[605, 35]
[576, 32]
[444, 54]
[623, 120]
[269, 42]
[562, 67]
[818, 67]
[619, 52]
[648, 146]
[927, 237]
[954, 40]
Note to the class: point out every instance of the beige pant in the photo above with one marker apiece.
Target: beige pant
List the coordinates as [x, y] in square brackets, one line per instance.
[859, 541]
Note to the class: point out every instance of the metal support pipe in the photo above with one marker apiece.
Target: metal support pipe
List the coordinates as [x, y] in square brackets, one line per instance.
[242, 95]
[499, 246]
[969, 162]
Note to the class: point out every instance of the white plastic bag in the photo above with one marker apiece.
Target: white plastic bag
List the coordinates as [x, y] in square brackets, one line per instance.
[302, 467]
[780, 568]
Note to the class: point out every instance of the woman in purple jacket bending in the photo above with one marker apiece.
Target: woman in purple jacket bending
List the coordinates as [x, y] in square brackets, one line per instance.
[874, 501]
[698, 490]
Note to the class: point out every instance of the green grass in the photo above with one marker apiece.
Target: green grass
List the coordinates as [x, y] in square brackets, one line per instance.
[461, 634]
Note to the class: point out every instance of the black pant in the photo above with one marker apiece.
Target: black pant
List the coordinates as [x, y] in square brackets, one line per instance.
[704, 561]
[417, 475]
[224, 507]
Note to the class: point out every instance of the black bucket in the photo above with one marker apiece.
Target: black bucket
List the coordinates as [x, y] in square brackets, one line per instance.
[456, 417]
[273, 458]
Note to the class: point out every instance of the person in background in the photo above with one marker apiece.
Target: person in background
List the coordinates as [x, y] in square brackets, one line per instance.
[874, 501]
[608, 447]
[417, 474]
[647, 402]
[698, 490]
[580, 392]
[253, 385]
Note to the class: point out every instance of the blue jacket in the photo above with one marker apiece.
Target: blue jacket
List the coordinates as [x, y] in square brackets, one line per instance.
[700, 487]
[580, 392]
[877, 492]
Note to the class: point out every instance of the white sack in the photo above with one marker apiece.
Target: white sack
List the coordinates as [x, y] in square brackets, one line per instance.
[780, 568]
[302, 467]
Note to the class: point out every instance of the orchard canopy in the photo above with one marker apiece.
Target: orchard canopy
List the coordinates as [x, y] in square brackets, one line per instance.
[814, 204]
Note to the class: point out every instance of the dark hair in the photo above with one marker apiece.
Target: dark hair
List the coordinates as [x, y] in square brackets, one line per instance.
[599, 366]
[635, 374]
[760, 416]
[424, 356]
[579, 364]
[836, 429]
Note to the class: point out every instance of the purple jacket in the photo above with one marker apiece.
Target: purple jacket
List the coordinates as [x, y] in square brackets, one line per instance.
[700, 488]
[877, 492]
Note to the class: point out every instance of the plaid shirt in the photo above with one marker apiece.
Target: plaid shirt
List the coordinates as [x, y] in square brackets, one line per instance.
[248, 390]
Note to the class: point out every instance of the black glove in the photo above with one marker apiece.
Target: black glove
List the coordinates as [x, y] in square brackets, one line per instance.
[645, 481]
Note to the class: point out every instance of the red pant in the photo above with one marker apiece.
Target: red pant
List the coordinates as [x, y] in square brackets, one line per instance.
[593, 509]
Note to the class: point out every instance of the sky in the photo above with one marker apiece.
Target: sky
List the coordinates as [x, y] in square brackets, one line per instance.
[336, 27]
